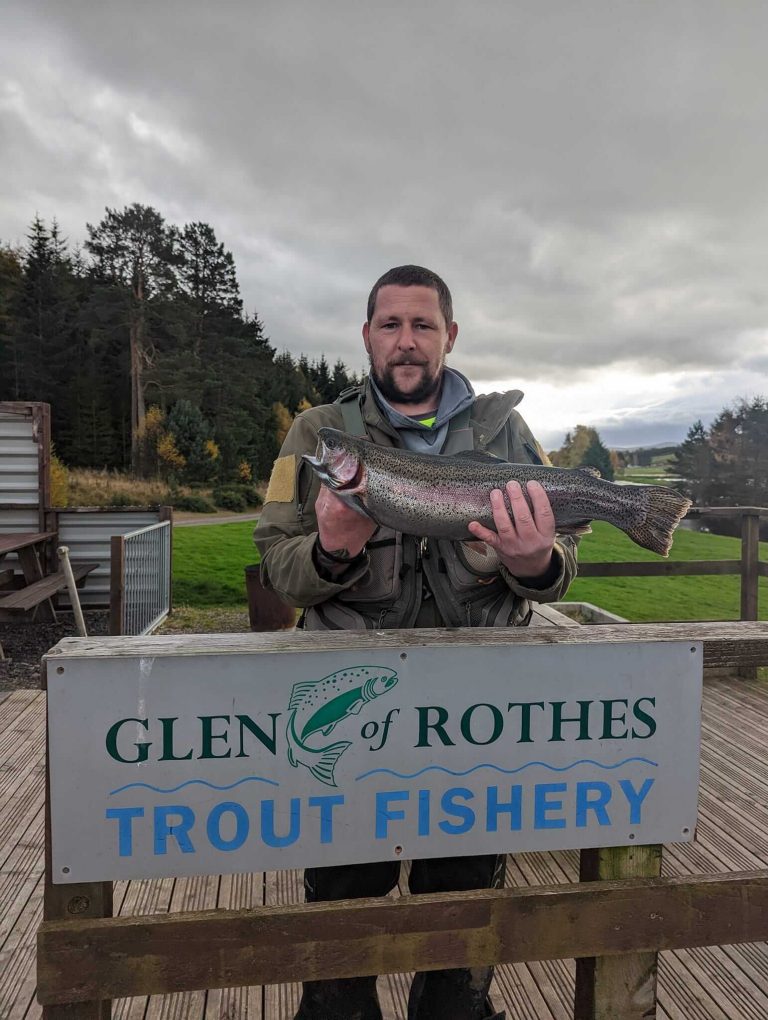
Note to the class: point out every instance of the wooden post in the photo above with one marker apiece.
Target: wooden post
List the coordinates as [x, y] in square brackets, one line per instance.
[41, 425]
[166, 514]
[750, 555]
[29, 560]
[51, 523]
[81, 900]
[116, 584]
[617, 987]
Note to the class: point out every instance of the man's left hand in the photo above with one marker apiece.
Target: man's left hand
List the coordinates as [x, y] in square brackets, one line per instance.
[523, 539]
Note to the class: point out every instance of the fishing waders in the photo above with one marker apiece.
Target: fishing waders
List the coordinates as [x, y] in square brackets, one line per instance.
[459, 994]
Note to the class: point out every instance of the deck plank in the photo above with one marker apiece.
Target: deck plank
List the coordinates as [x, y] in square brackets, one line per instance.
[244, 890]
[281, 887]
[710, 983]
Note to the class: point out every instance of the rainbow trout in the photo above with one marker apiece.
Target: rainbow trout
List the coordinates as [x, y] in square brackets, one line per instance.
[437, 496]
[318, 706]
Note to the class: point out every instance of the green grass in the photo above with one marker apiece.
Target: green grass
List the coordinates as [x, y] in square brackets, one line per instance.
[655, 475]
[648, 599]
[209, 564]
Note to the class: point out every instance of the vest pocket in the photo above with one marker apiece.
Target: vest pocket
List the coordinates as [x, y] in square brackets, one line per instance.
[382, 582]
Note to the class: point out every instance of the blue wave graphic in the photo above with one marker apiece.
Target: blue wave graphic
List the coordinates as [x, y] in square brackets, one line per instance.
[508, 772]
[192, 782]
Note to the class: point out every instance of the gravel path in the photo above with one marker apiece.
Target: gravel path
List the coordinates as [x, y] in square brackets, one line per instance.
[193, 520]
[25, 644]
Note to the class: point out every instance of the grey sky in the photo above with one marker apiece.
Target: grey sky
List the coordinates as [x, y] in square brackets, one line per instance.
[590, 178]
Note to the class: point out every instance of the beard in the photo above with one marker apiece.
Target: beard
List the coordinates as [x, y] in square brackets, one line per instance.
[427, 387]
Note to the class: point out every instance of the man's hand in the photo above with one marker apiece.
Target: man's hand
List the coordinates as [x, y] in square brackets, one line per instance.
[342, 530]
[523, 540]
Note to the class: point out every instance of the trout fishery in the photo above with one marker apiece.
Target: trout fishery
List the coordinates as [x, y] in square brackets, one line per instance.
[317, 706]
[437, 496]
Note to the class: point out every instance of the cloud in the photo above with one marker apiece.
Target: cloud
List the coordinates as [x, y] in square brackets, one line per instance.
[590, 179]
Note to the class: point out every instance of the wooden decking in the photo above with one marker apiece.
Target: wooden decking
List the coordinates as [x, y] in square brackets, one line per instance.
[716, 983]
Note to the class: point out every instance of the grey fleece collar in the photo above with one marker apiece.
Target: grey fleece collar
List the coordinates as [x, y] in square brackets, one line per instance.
[456, 394]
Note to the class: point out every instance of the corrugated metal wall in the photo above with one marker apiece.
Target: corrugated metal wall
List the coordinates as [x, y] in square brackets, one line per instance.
[87, 533]
[19, 467]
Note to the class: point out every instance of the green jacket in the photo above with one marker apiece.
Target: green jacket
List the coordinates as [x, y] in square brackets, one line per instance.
[402, 581]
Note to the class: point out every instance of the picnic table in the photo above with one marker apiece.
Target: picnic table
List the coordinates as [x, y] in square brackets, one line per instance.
[39, 587]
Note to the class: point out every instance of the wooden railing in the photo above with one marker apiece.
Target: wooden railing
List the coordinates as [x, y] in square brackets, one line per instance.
[614, 921]
[750, 566]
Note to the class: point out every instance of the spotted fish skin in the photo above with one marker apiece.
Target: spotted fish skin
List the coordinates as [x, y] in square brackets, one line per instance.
[437, 496]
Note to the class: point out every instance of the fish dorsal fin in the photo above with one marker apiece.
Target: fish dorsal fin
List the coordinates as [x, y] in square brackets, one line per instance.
[300, 693]
[479, 456]
[589, 470]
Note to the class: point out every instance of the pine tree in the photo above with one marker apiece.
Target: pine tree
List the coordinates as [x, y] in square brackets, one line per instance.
[321, 379]
[191, 435]
[208, 279]
[136, 252]
[693, 462]
[10, 360]
[597, 456]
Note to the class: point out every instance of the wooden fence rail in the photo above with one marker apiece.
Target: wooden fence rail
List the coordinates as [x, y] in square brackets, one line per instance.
[85, 959]
[749, 566]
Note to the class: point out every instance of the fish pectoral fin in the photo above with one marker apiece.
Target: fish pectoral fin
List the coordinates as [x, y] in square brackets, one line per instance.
[325, 732]
[575, 528]
[291, 758]
[300, 693]
[322, 769]
[355, 709]
[354, 502]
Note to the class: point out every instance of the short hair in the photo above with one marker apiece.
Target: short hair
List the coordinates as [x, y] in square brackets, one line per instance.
[414, 276]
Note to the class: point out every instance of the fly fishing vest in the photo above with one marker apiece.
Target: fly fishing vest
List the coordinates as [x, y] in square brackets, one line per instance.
[463, 578]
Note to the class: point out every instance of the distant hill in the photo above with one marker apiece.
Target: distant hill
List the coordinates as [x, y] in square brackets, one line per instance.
[654, 448]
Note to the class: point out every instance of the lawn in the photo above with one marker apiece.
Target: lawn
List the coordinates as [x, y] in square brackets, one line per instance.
[664, 598]
[209, 563]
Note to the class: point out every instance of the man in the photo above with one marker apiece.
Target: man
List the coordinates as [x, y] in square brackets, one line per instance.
[347, 573]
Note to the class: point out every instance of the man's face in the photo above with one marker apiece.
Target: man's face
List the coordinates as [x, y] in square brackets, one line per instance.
[407, 341]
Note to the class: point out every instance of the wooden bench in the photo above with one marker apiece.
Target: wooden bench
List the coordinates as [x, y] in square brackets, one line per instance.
[27, 598]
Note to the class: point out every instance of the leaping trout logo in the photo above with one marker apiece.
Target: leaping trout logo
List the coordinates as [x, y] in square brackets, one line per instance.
[318, 706]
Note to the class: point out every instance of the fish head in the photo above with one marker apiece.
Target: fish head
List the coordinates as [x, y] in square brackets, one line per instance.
[384, 682]
[338, 462]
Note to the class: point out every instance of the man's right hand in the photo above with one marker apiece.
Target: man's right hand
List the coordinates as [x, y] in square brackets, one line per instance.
[342, 530]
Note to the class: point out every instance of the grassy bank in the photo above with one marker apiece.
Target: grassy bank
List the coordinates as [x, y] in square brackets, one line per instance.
[648, 599]
[209, 564]
[209, 571]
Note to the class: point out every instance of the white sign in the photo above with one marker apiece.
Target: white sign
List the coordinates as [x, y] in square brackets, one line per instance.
[207, 764]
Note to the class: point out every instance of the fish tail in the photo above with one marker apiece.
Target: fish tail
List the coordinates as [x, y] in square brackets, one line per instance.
[322, 769]
[666, 508]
